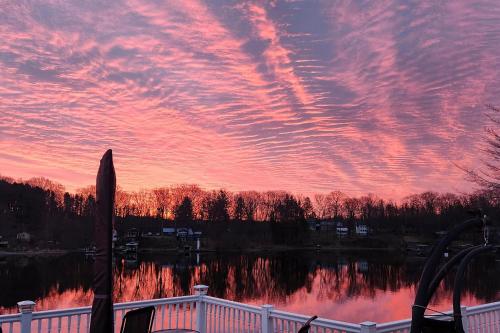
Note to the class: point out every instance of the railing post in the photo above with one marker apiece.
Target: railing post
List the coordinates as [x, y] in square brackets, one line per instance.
[26, 309]
[465, 318]
[201, 317]
[265, 319]
[368, 327]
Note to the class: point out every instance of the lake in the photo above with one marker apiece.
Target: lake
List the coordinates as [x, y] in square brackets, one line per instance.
[376, 286]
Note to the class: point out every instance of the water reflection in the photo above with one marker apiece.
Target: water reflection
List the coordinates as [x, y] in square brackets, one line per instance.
[351, 287]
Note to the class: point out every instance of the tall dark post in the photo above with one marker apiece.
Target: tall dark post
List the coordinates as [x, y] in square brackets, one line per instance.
[102, 306]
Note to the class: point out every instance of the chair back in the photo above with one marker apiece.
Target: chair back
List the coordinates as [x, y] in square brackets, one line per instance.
[138, 320]
[307, 325]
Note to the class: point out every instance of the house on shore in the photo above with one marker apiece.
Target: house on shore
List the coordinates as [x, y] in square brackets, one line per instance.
[342, 230]
[23, 237]
[361, 229]
[168, 231]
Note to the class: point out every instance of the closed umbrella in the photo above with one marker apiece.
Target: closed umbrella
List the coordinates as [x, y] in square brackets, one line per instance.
[102, 306]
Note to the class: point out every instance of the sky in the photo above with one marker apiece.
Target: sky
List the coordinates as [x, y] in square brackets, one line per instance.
[383, 97]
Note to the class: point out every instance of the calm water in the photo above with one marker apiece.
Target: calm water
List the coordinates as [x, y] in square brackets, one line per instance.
[342, 286]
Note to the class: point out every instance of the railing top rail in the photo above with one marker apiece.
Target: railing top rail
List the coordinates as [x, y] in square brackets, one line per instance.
[158, 301]
[117, 306]
[237, 305]
[393, 325]
[61, 312]
[483, 308]
[10, 317]
[317, 322]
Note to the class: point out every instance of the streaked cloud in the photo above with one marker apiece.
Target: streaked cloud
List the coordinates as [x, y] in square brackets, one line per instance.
[306, 96]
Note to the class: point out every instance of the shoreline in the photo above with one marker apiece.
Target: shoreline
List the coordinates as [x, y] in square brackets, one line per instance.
[62, 252]
[36, 253]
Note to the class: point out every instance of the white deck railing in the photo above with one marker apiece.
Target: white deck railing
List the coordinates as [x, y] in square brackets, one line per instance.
[214, 315]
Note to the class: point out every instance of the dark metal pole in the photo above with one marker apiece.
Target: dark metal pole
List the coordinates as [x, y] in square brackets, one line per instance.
[459, 282]
[421, 298]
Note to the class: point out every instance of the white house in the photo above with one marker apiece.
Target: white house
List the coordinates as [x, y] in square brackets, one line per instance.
[342, 230]
[168, 231]
[361, 229]
[23, 236]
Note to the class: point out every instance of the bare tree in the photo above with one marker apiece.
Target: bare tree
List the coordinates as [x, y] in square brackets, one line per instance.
[488, 176]
[321, 203]
[336, 198]
[48, 185]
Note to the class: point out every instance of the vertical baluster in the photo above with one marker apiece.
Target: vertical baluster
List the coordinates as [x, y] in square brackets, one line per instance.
[177, 315]
[230, 319]
[78, 321]
[496, 320]
[163, 316]
[224, 319]
[11, 326]
[232, 323]
[242, 321]
[493, 321]
[210, 311]
[191, 308]
[217, 320]
[87, 323]
[184, 310]
[249, 322]
[69, 324]
[39, 325]
[208, 315]
[221, 319]
[214, 318]
[238, 320]
[170, 316]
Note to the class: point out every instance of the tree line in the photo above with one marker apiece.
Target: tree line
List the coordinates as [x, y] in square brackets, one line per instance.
[42, 207]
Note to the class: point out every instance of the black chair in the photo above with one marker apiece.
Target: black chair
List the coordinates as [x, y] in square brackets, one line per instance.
[307, 325]
[138, 321]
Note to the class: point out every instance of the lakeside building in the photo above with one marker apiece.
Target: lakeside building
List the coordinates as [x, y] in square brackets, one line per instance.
[361, 229]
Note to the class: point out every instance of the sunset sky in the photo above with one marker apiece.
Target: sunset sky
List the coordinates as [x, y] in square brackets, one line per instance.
[306, 96]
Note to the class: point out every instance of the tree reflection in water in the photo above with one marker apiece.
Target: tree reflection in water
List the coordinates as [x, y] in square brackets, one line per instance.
[333, 284]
